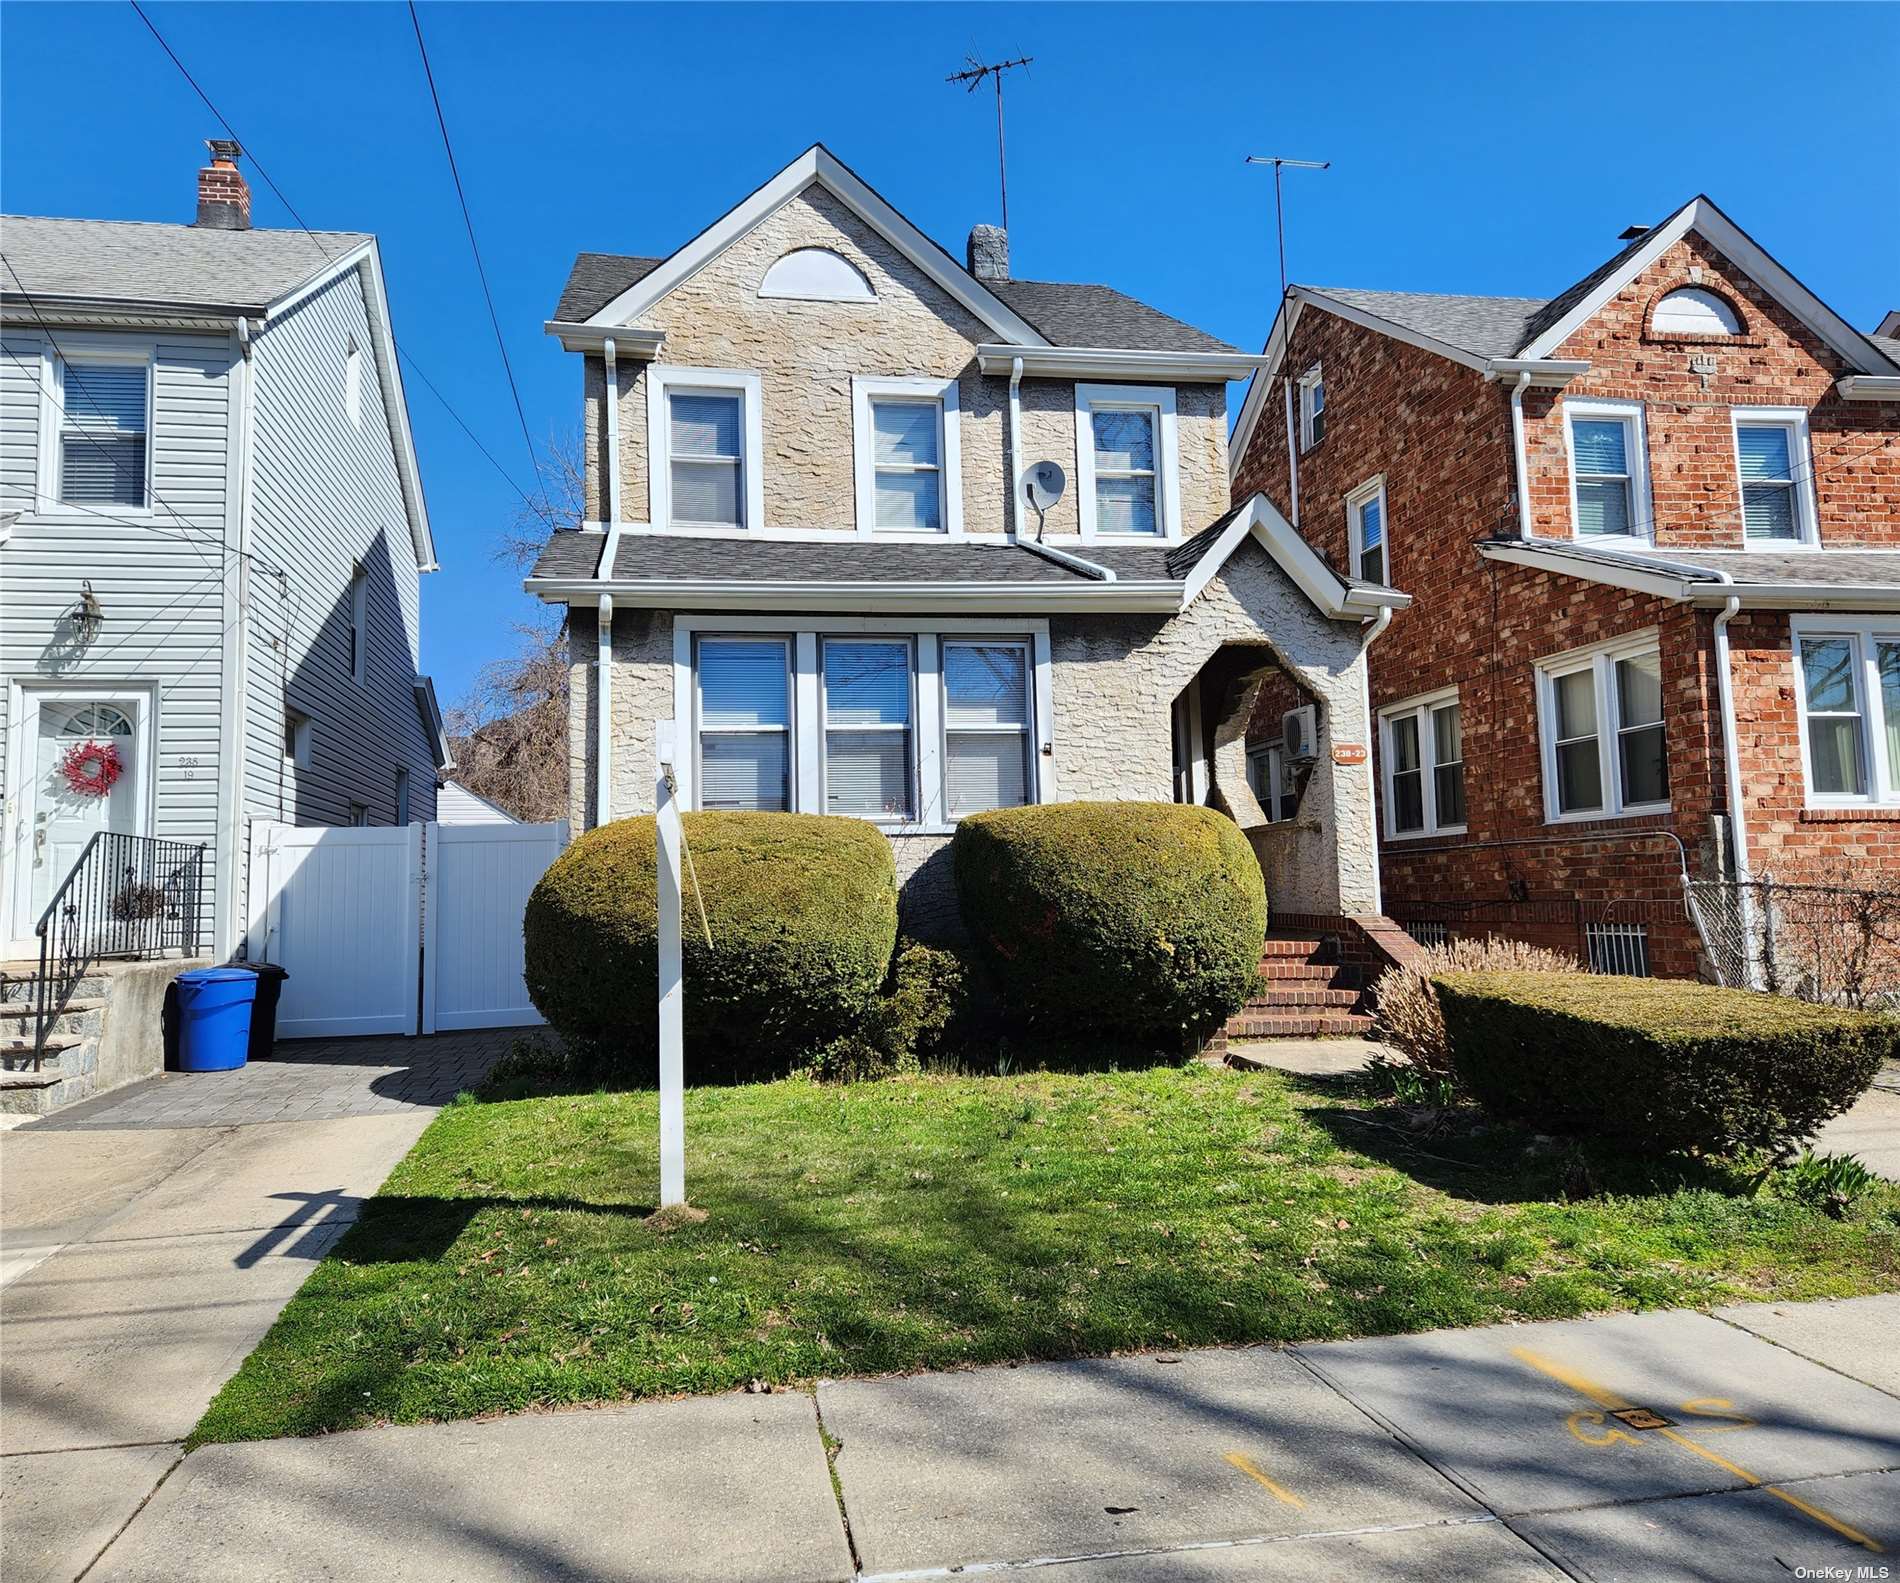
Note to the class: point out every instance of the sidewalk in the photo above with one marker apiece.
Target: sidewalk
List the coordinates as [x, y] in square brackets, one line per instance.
[1488, 1454]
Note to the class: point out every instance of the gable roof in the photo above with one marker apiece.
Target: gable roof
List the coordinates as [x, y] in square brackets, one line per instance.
[129, 270]
[1099, 316]
[1484, 326]
[596, 279]
[175, 266]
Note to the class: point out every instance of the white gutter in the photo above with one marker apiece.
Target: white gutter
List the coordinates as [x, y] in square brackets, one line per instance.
[1869, 387]
[1087, 362]
[611, 417]
[1732, 763]
[1015, 447]
[643, 344]
[1519, 456]
[1379, 623]
[603, 712]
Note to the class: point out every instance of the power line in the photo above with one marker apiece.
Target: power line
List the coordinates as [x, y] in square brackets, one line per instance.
[317, 242]
[474, 247]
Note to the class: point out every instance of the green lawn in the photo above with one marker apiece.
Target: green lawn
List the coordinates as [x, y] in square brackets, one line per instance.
[937, 1221]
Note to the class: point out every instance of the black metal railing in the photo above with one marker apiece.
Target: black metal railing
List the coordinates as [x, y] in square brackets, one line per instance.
[128, 898]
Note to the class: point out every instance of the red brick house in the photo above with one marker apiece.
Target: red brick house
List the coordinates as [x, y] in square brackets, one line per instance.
[1651, 531]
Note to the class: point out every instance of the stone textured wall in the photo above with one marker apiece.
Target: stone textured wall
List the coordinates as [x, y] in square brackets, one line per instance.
[806, 354]
[642, 693]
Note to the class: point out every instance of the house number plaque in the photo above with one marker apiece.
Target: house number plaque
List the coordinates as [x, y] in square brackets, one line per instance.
[1349, 752]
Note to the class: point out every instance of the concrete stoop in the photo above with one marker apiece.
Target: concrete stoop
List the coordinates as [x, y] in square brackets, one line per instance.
[110, 1033]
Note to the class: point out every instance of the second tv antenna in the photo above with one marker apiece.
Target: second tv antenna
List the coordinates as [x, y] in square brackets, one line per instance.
[973, 74]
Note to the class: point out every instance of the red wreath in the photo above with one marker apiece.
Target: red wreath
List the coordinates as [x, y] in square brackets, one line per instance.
[91, 768]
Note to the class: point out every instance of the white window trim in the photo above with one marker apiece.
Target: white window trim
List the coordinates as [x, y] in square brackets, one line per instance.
[928, 732]
[353, 382]
[300, 730]
[1272, 755]
[912, 768]
[1637, 451]
[1158, 399]
[688, 781]
[1027, 731]
[1372, 489]
[1600, 659]
[1883, 777]
[1421, 708]
[949, 451]
[663, 378]
[79, 348]
[1313, 377]
[1800, 459]
[359, 624]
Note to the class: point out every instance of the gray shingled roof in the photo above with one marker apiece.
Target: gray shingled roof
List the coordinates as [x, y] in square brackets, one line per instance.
[1484, 326]
[1842, 568]
[175, 266]
[1067, 314]
[1889, 344]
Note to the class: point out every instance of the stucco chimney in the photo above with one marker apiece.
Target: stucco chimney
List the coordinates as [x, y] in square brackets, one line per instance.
[989, 252]
[224, 196]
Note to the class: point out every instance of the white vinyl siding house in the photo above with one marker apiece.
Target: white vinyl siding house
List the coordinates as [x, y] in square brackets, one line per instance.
[183, 499]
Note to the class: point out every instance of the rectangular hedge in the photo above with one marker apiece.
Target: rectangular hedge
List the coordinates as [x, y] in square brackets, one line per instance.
[1656, 1062]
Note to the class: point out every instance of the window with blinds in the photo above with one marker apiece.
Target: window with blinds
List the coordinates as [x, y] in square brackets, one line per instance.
[744, 723]
[868, 754]
[1365, 511]
[1765, 454]
[986, 726]
[1125, 471]
[103, 424]
[1600, 452]
[907, 463]
[707, 470]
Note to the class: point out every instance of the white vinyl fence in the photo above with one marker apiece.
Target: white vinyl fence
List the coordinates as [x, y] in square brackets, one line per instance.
[402, 929]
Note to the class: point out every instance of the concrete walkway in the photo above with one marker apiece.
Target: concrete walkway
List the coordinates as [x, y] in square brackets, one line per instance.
[149, 1238]
[1756, 1441]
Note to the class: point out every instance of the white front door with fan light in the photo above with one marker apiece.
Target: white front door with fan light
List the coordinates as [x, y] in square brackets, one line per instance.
[81, 764]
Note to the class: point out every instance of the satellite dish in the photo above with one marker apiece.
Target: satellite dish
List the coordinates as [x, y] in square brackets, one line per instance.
[1045, 483]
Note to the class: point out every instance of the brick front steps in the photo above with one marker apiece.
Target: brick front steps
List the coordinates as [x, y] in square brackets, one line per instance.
[1306, 993]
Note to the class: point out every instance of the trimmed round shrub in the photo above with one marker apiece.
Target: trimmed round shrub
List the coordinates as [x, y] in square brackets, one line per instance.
[1659, 1064]
[1139, 921]
[803, 913]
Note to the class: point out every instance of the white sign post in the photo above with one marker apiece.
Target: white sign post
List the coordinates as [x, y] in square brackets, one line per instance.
[669, 838]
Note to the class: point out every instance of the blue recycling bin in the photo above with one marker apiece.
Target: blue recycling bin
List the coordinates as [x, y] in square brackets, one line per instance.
[214, 1018]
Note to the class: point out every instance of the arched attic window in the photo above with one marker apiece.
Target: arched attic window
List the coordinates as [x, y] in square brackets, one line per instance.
[1690, 310]
[816, 274]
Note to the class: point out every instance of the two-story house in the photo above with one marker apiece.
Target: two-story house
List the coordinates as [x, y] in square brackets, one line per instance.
[1651, 527]
[213, 532]
[812, 544]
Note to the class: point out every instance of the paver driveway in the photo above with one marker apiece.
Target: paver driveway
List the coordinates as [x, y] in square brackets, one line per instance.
[149, 1238]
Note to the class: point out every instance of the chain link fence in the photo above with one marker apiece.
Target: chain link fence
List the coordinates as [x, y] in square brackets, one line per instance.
[1834, 944]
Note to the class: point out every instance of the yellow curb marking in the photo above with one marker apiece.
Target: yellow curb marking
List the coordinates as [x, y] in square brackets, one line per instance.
[1609, 1400]
[1278, 1491]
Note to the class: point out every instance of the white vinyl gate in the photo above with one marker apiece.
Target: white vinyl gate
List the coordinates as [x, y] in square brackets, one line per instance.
[402, 929]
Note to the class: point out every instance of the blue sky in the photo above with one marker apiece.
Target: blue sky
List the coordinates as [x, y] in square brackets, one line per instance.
[1489, 148]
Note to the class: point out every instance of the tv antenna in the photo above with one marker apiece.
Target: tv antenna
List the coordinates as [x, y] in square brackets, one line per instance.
[1279, 205]
[973, 74]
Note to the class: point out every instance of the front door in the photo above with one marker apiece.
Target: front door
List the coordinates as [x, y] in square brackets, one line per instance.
[83, 773]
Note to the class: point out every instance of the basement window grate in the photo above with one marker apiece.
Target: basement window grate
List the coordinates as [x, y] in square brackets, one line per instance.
[1621, 948]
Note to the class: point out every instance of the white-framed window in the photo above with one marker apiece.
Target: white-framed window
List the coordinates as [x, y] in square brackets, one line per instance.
[1423, 766]
[1776, 474]
[1600, 723]
[907, 456]
[299, 730]
[1312, 408]
[988, 758]
[705, 443]
[1694, 310]
[1609, 469]
[1366, 531]
[353, 382]
[744, 722]
[103, 409]
[359, 624]
[402, 796]
[1272, 774]
[358, 815]
[1127, 481]
[1847, 676]
[868, 700]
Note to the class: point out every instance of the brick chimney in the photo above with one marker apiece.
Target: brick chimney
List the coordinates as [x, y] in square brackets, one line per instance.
[988, 253]
[224, 196]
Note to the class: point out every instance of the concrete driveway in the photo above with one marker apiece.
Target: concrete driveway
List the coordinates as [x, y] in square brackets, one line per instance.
[149, 1238]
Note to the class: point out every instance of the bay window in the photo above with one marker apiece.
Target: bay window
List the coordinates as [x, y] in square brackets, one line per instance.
[1848, 673]
[867, 705]
[1600, 716]
[1424, 766]
[1609, 469]
[986, 726]
[744, 723]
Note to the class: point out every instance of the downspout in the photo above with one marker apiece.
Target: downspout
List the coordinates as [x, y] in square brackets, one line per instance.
[1732, 764]
[1379, 623]
[231, 924]
[1292, 453]
[612, 420]
[603, 712]
[1015, 446]
[1519, 457]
